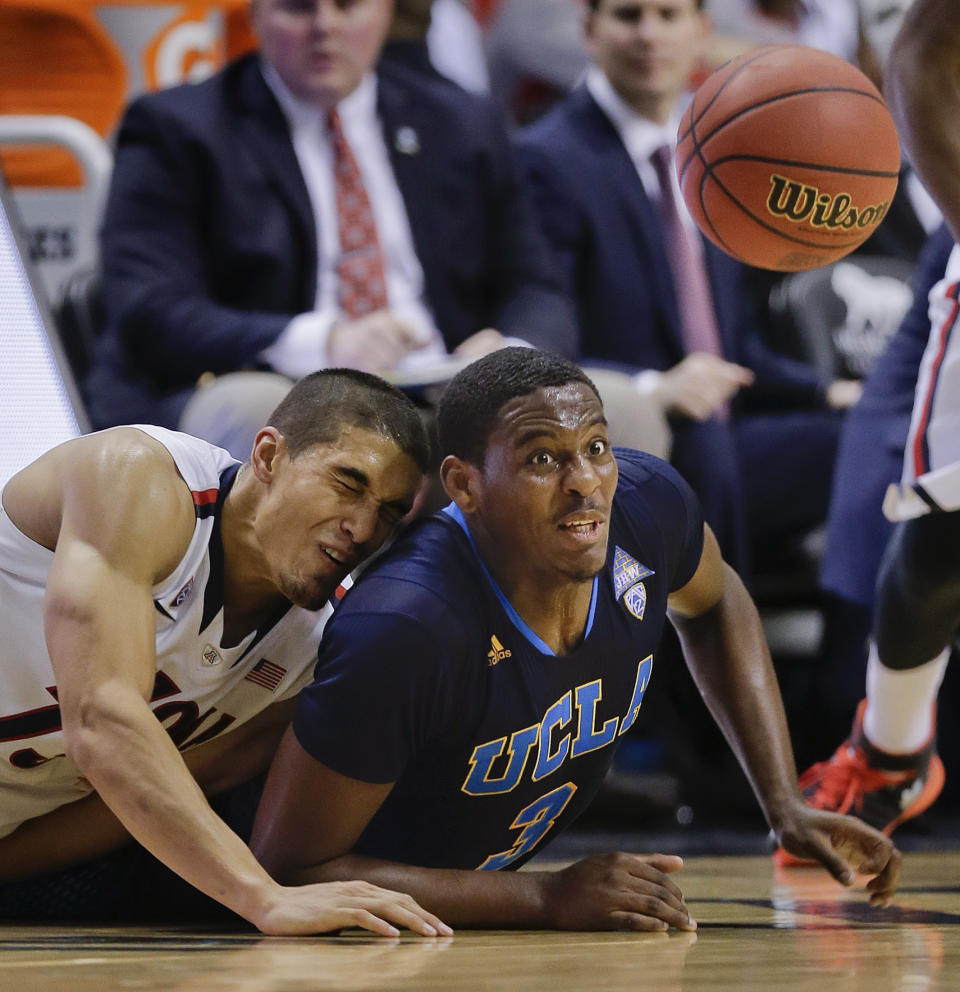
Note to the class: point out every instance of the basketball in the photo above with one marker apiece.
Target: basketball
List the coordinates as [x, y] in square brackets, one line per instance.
[787, 158]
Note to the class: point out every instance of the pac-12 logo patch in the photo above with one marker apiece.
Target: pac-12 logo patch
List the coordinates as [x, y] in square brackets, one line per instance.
[184, 594]
[635, 600]
[626, 571]
[210, 655]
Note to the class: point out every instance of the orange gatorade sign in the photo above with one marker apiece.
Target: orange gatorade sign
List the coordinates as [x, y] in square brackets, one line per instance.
[188, 48]
[87, 58]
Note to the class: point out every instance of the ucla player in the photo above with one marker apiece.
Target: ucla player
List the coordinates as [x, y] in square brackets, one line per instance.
[472, 688]
[888, 770]
[157, 597]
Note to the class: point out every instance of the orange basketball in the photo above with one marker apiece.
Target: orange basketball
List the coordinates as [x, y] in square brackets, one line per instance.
[787, 157]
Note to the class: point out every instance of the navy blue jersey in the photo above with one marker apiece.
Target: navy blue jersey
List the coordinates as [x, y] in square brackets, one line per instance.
[428, 678]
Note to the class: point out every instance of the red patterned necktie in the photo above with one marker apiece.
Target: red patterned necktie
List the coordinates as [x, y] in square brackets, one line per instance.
[697, 316]
[362, 285]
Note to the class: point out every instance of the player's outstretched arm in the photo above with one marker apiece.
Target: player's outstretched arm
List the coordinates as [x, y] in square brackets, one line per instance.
[120, 518]
[922, 87]
[614, 891]
[727, 654]
[301, 842]
[86, 829]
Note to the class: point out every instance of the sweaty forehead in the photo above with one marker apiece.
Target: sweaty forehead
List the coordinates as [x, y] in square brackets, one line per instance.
[549, 410]
[362, 449]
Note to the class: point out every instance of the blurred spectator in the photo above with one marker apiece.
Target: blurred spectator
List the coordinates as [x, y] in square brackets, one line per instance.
[535, 53]
[440, 37]
[250, 226]
[831, 25]
[913, 214]
[753, 431]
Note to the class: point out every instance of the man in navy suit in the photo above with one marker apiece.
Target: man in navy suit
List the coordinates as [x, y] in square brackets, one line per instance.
[752, 430]
[222, 244]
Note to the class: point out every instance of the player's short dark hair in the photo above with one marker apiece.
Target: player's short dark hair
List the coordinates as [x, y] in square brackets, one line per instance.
[468, 409]
[323, 404]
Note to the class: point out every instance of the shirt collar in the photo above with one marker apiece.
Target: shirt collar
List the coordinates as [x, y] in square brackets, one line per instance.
[640, 136]
[454, 511]
[360, 103]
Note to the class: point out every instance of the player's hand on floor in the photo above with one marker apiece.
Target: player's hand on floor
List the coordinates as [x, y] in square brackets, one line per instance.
[844, 845]
[617, 892]
[325, 906]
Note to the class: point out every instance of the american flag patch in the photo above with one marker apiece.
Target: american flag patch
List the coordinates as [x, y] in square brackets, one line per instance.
[266, 673]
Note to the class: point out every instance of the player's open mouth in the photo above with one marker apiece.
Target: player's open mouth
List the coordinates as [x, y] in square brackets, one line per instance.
[582, 528]
[337, 556]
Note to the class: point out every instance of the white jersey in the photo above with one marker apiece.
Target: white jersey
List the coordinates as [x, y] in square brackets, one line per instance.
[202, 688]
[931, 464]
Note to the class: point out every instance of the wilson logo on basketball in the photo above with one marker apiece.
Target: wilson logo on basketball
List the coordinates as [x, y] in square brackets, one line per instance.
[800, 203]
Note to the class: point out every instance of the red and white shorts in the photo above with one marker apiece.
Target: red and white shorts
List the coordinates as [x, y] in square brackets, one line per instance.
[931, 464]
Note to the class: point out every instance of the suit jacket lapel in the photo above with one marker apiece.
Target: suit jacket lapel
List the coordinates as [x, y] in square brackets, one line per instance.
[721, 269]
[265, 133]
[619, 180]
[407, 133]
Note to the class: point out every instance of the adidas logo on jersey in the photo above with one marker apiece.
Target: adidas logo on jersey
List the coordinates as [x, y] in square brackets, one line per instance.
[497, 651]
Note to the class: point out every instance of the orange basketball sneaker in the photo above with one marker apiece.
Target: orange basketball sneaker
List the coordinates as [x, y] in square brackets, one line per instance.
[882, 789]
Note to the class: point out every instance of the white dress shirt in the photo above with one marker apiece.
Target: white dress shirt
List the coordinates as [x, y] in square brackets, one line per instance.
[301, 347]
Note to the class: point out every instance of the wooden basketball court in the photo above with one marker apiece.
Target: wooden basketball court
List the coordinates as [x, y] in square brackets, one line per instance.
[761, 929]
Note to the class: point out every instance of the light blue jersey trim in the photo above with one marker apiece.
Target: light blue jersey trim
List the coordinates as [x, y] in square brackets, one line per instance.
[454, 511]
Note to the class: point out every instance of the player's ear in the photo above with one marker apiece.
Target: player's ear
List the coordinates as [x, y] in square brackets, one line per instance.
[458, 478]
[267, 446]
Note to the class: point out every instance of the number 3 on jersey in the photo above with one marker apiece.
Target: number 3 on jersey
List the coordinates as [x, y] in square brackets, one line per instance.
[533, 821]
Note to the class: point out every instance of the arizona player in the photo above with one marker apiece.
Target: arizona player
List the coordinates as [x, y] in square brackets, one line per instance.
[888, 769]
[156, 596]
[472, 688]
